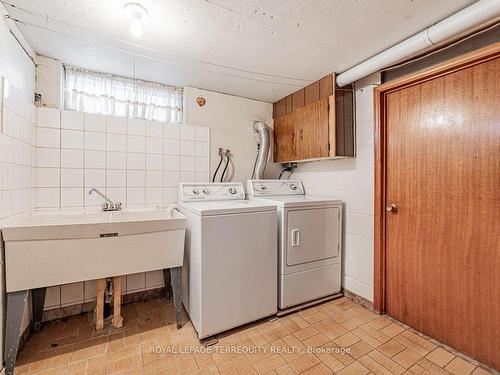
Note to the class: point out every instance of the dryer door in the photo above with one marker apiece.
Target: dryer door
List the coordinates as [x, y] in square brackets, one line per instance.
[312, 234]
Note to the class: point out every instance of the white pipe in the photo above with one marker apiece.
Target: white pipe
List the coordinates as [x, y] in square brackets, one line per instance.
[477, 14]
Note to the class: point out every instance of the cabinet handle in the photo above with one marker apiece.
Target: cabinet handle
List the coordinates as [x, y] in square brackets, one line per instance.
[295, 237]
[301, 135]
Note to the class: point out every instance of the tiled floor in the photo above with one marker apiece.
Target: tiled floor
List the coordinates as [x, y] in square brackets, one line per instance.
[145, 345]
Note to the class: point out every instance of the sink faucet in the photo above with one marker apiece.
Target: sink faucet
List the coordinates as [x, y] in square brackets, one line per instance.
[109, 205]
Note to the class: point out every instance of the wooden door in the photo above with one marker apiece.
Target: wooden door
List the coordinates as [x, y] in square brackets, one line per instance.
[284, 138]
[442, 171]
[312, 129]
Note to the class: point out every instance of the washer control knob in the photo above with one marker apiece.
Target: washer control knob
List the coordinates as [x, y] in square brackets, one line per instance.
[293, 186]
[196, 192]
[232, 190]
[206, 191]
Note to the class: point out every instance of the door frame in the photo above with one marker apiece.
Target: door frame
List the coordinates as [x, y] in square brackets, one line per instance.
[473, 58]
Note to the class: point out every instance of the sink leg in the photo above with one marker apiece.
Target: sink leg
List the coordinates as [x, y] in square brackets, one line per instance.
[37, 304]
[167, 282]
[99, 309]
[16, 303]
[176, 281]
[117, 320]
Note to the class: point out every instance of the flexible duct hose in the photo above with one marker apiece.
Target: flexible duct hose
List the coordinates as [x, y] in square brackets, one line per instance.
[263, 130]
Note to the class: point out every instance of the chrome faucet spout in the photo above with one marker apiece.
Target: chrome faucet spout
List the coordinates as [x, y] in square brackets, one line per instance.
[109, 205]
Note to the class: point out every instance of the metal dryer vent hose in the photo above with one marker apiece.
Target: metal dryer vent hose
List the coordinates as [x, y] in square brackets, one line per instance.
[263, 153]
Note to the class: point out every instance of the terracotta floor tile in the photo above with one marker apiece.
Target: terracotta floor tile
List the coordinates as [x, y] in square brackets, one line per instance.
[187, 363]
[304, 362]
[269, 364]
[78, 368]
[431, 367]
[440, 357]
[385, 361]
[305, 333]
[373, 366]
[480, 371]
[368, 337]
[320, 369]
[342, 316]
[418, 370]
[316, 317]
[227, 368]
[316, 341]
[460, 367]
[355, 368]
[204, 360]
[392, 330]
[243, 366]
[407, 358]
[124, 364]
[276, 333]
[330, 361]
[160, 368]
[379, 323]
[376, 344]
[359, 349]
[391, 348]
[411, 345]
[346, 340]
[126, 351]
[333, 329]
[424, 343]
[352, 323]
[284, 370]
[96, 366]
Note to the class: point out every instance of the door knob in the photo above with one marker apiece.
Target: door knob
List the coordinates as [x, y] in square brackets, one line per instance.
[391, 208]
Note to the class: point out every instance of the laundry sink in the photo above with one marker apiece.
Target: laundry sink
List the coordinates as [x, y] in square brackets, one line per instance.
[54, 249]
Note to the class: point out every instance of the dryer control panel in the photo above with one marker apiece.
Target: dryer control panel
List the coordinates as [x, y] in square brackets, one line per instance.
[261, 188]
[214, 191]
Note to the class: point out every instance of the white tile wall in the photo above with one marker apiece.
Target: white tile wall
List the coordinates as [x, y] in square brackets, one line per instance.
[136, 162]
[17, 167]
[352, 181]
[17, 155]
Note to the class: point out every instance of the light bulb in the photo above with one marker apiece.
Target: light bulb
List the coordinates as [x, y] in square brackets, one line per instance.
[136, 28]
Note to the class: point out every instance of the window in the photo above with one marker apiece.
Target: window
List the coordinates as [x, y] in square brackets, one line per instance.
[107, 94]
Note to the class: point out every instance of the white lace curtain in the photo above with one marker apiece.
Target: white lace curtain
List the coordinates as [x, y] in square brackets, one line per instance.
[106, 94]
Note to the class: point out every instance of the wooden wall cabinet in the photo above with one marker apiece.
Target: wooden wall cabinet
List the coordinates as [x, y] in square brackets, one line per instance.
[315, 122]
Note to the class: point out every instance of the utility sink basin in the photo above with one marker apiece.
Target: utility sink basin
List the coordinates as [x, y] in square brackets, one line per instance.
[53, 249]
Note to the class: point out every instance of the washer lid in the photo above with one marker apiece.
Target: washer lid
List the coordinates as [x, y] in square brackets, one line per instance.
[212, 208]
[301, 201]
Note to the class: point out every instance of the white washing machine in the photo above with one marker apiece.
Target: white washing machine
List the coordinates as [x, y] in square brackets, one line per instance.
[309, 241]
[230, 263]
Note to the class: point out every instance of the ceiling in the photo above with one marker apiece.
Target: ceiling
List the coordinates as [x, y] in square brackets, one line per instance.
[260, 49]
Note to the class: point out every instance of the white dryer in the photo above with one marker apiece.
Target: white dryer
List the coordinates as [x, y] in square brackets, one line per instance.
[230, 261]
[309, 241]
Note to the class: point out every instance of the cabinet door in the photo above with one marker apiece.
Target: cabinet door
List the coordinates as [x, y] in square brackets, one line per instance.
[284, 138]
[312, 235]
[312, 129]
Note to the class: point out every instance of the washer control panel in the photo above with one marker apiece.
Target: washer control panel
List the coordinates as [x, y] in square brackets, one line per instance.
[260, 188]
[223, 191]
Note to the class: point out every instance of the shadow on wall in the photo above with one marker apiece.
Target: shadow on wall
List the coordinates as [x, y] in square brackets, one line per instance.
[329, 165]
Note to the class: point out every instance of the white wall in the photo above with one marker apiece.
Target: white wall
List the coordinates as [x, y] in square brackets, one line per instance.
[230, 119]
[352, 180]
[14, 63]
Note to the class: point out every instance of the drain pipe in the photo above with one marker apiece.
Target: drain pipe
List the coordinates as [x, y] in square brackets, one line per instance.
[479, 13]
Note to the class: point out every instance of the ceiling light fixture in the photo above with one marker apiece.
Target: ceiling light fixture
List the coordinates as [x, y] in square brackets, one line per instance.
[137, 12]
